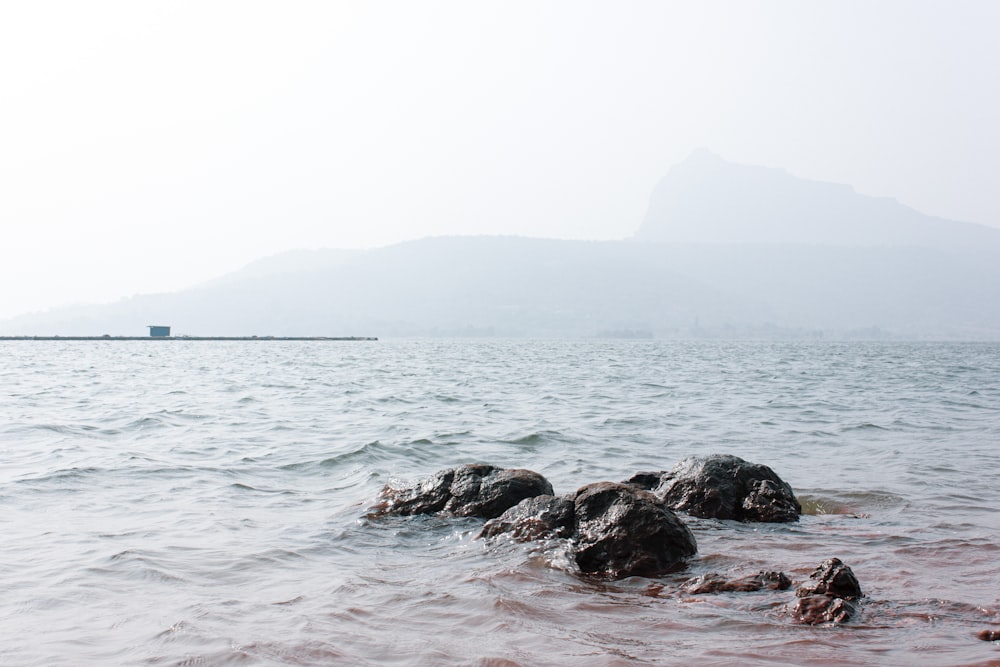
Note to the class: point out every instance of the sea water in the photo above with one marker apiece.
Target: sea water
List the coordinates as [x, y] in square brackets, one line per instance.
[196, 503]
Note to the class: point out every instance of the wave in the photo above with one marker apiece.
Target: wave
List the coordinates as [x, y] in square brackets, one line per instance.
[852, 502]
[864, 426]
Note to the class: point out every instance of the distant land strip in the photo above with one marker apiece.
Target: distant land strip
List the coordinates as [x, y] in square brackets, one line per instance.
[199, 338]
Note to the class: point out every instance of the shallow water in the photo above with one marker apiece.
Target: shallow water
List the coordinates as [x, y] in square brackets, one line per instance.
[190, 503]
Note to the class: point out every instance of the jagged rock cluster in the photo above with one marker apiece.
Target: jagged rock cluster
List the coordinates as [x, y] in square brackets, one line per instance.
[830, 595]
[617, 530]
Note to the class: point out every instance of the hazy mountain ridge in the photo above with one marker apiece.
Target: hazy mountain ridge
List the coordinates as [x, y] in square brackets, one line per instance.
[533, 287]
[705, 199]
[455, 285]
[847, 265]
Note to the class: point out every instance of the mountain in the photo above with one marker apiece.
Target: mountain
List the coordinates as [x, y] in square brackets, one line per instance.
[292, 261]
[705, 199]
[724, 250]
[435, 286]
[508, 286]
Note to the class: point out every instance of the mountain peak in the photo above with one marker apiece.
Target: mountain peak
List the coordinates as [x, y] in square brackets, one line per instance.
[703, 155]
[705, 199]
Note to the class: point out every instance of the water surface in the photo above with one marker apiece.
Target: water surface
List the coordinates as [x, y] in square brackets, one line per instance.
[200, 503]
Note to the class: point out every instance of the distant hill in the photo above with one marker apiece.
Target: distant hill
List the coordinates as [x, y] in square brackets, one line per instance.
[724, 250]
[705, 199]
[438, 286]
[501, 286]
[292, 261]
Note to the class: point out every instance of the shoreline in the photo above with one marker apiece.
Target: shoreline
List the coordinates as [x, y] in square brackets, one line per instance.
[190, 338]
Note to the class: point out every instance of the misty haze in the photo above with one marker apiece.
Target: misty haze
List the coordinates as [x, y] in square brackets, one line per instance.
[724, 250]
[434, 332]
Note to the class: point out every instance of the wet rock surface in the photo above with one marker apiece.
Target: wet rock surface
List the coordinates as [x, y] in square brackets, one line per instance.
[616, 530]
[823, 609]
[724, 487]
[534, 519]
[834, 578]
[647, 481]
[475, 490]
[622, 531]
[716, 583]
[770, 502]
[830, 595]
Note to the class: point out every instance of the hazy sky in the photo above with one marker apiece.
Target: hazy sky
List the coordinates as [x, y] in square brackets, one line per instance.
[148, 146]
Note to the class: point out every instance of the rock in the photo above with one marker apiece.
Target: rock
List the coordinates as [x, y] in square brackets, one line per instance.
[989, 635]
[615, 530]
[647, 481]
[832, 577]
[471, 490]
[426, 497]
[716, 583]
[830, 596]
[533, 519]
[770, 502]
[727, 487]
[621, 531]
[486, 491]
[819, 609]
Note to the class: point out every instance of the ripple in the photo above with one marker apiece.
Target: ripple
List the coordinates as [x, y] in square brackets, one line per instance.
[200, 506]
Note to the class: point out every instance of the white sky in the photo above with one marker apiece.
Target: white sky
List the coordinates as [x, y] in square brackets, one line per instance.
[148, 146]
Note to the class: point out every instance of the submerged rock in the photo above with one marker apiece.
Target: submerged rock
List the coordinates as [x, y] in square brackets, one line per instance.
[622, 531]
[716, 583]
[534, 519]
[830, 596]
[725, 487]
[471, 490]
[823, 609]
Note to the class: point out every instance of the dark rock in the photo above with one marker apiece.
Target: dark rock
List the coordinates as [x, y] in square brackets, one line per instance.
[834, 578]
[989, 635]
[768, 502]
[533, 519]
[616, 530]
[470, 490]
[647, 481]
[622, 531]
[716, 583]
[819, 609]
[830, 596]
[426, 497]
[727, 487]
[488, 492]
